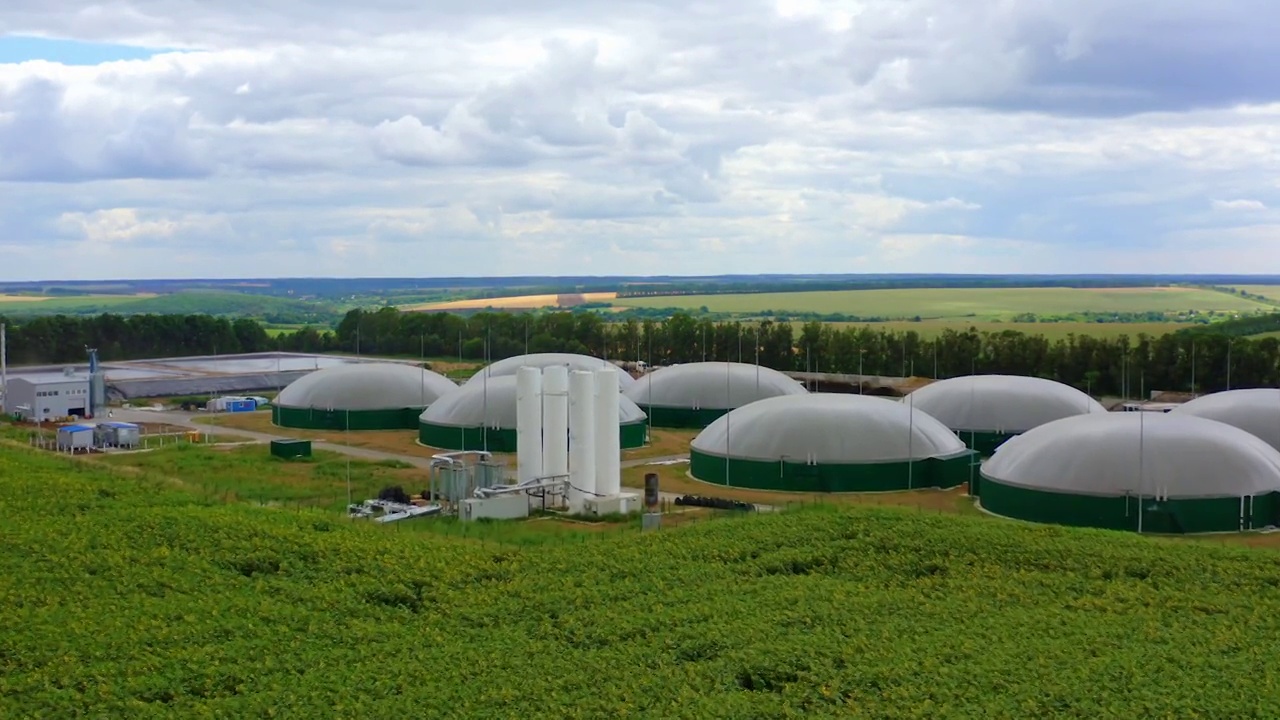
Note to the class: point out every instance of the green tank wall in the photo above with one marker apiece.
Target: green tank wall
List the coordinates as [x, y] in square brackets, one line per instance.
[802, 477]
[313, 419]
[447, 437]
[985, 443]
[667, 417]
[1189, 515]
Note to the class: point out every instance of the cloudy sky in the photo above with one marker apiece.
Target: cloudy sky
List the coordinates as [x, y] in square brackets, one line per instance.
[168, 138]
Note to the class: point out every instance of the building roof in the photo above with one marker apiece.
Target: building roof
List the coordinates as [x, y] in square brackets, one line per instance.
[47, 378]
[573, 361]
[492, 403]
[74, 428]
[1256, 411]
[711, 385]
[828, 428]
[1129, 453]
[1001, 403]
[365, 386]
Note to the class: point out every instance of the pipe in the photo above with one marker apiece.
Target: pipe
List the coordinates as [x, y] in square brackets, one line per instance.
[608, 442]
[528, 424]
[582, 447]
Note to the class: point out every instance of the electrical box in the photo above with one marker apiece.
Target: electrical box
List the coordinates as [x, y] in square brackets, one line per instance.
[512, 506]
[289, 449]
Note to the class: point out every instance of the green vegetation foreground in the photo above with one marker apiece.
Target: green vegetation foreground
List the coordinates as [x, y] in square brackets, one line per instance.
[125, 597]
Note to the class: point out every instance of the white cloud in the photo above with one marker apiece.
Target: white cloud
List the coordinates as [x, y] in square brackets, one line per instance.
[1238, 205]
[387, 138]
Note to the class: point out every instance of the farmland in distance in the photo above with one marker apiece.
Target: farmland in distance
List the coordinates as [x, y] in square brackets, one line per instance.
[928, 329]
[970, 304]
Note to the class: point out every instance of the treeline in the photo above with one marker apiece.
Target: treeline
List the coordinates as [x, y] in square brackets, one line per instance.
[1127, 365]
[63, 338]
[1239, 327]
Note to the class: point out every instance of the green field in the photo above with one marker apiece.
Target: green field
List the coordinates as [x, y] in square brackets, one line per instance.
[1053, 331]
[962, 303]
[127, 595]
[228, 304]
[1271, 292]
[50, 304]
[249, 473]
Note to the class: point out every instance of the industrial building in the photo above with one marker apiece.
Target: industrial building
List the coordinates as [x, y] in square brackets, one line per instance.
[482, 416]
[987, 410]
[1148, 472]
[1256, 411]
[572, 361]
[830, 443]
[48, 396]
[360, 396]
[694, 395]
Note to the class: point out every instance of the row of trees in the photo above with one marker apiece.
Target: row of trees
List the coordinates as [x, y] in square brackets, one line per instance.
[63, 338]
[1205, 361]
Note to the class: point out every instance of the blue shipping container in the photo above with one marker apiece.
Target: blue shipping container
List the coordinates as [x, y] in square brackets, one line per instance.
[241, 406]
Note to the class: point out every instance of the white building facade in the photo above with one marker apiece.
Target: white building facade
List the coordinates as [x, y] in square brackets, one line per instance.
[47, 397]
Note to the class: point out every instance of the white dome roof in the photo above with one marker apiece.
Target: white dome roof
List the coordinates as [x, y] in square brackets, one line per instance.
[711, 385]
[1001, 403]
[365, 386]
[1181, 456]
[1254, 411]
[828, 428]
[510, 365]
[493, 404]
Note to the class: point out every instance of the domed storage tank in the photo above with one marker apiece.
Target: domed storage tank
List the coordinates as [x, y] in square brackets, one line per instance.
[987, 410]
[1135, 471]
[359, 396]
[482, 416]
[829, 443]
[573, 361]
[694, 395]
[1256, 411]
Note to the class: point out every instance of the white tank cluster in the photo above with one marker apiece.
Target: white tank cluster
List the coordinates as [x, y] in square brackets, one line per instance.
[566, 427]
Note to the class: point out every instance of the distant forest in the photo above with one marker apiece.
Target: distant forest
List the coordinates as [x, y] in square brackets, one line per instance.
[1102, 366]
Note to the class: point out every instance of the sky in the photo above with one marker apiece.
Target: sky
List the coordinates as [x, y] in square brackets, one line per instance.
[165, 138]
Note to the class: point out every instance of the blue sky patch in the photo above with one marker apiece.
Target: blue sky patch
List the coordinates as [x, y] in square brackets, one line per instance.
[20, 48]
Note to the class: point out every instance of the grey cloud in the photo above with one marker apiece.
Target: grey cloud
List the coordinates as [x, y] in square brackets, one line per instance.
[45, 140]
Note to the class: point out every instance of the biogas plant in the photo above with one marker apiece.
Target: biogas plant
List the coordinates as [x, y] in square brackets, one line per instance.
[1025, 448]
[546, 432]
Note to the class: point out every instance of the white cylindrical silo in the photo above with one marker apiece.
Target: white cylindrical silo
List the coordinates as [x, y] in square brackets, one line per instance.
[608, 442]
[555, 420]
[528, 423]
[582, 422]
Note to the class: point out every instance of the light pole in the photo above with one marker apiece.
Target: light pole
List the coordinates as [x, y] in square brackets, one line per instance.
[1229, 341]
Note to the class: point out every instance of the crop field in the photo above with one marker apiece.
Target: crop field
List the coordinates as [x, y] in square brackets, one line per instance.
[1053, 331]
[143, 600]
[963, 303]
[517, 302]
